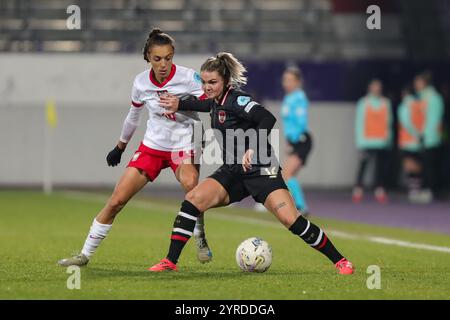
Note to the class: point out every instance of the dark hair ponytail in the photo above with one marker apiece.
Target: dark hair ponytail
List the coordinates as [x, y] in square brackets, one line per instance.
[157, 37]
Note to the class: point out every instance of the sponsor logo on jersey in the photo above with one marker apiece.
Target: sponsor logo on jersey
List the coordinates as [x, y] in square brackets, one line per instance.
[162, 92]
[243, 100]
[222, 116]
[197, 78]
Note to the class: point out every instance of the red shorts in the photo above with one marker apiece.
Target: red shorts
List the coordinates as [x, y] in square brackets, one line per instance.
[153, 161]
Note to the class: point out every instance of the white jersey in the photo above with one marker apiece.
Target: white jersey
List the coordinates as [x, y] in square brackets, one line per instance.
[167, 133]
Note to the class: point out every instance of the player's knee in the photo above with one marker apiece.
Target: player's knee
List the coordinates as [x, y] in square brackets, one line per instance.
[189, 182]
[198, 199]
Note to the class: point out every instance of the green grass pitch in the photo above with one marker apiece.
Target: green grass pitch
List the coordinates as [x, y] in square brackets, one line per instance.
[37, 230]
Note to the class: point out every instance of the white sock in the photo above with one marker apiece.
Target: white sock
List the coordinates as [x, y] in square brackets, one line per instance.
[199, 229]
[96, 234]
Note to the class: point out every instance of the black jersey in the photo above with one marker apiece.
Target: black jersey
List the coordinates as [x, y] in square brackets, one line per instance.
[237, 128]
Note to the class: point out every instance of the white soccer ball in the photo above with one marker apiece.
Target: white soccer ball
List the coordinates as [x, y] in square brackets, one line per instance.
[254, 255]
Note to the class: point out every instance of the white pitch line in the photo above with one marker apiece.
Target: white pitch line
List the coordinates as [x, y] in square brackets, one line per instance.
[407, 244]
[217, 215]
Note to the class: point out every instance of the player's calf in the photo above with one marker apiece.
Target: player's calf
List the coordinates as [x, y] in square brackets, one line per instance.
[317, 239]
[97, 233]
[183, 229]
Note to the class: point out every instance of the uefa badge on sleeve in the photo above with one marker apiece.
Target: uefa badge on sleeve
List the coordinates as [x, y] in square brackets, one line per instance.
[243, 100]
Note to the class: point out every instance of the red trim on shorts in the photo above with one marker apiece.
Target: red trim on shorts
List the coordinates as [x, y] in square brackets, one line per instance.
[155, 152]
[177, 237]
[162, 84]
[152, 161]
[324, 241]
[162, 153]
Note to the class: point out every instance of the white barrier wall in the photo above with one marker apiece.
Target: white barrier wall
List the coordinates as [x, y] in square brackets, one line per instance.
[92, 98]
[73, 78]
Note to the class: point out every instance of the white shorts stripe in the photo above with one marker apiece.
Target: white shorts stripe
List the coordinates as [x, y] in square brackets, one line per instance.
[307, 227]
[319, 238]
[182, 231]
[187, 216]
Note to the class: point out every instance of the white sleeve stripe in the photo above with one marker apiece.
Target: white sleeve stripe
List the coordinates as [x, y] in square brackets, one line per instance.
[188, 216]
[182, 231]
[250, 106]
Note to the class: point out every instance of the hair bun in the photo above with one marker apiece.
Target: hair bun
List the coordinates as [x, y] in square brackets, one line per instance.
[154, 32]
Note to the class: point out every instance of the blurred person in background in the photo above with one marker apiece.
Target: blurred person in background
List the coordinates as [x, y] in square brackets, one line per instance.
[294, 115]
[420, 127]
[373, 135]
[408, 143]
[443, 178]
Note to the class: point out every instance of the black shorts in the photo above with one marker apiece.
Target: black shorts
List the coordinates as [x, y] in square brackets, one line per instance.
[240, 186]
[302, 147]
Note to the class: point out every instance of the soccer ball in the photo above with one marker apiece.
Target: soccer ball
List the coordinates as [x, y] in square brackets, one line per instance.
[254, 255]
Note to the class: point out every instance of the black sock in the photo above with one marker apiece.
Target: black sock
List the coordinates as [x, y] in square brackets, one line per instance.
[182, 229]
[316, 238]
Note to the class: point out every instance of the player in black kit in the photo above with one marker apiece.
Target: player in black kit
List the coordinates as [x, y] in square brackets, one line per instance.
[250, 166]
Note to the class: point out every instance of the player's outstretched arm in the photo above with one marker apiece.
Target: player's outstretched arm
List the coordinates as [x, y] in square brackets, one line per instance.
[173, 104]
[263, 118]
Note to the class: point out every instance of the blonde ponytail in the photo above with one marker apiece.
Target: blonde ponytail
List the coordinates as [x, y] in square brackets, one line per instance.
[229, 67]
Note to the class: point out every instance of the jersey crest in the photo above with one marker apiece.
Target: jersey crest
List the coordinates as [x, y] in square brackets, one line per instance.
[222, 116]
[162, 92]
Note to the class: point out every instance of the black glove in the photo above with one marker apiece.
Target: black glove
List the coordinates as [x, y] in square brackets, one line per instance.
[113, 157]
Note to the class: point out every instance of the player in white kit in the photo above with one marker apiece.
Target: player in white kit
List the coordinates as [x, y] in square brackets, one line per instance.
[168, 142]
